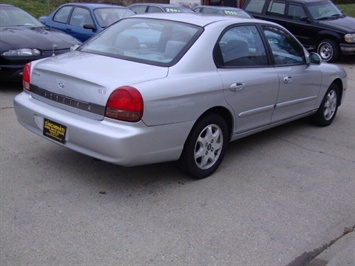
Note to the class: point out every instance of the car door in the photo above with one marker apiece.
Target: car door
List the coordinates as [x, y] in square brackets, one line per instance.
[60, 19]
[78, 18]
[301, 25]
[275, 12]
[299, 81]
[250, 83]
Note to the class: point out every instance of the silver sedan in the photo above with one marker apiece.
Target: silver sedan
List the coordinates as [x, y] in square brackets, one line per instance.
[176, 87]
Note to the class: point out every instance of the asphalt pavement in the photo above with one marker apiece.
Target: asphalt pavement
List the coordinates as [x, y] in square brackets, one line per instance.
[339, 253]
[284, 197]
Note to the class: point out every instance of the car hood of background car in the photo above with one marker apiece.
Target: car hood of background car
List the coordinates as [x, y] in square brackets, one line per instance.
[34, 37]
[89, 77]
[345, 23]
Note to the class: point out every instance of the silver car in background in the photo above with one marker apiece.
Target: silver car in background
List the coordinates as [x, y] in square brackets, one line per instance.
[176, 87]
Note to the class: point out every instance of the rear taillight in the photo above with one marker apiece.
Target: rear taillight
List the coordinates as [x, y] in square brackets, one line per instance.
[26, 76]
[125, 103]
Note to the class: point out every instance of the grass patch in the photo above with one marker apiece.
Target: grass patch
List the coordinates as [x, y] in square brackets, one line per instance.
[348, 9]
[36, 8]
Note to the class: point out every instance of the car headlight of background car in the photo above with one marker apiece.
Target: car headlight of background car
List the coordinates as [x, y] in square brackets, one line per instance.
[350, 37]
[22, 52]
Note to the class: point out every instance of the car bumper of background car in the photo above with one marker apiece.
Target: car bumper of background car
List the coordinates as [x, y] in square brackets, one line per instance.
[122, 143]
[347, 49]
[11, 73]
[12, 69]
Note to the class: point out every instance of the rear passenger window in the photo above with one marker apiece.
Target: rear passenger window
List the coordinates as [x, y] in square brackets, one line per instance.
[255, 6]
[240, 46]
[139, 9]
[276, 8]
[154, 9]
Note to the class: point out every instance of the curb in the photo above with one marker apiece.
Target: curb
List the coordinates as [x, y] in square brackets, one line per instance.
[341, 253]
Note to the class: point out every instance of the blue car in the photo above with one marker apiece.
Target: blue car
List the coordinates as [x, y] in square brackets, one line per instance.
[84, 20]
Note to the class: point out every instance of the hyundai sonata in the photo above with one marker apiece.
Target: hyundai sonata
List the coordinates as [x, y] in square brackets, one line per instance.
[176, 87]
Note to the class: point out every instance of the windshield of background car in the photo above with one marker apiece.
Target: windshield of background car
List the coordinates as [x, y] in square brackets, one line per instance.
[176, 9]
[238, 13]
[150, 41]
[12, 17]
[106, 16]
[324, 10]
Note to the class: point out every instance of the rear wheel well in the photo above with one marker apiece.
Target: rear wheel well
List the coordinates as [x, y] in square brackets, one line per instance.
[225, 114]
[206, 143]
[341, 89]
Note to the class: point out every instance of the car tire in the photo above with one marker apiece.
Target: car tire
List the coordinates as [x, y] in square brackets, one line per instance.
[205, 147]
[328, 108]
[328, 50]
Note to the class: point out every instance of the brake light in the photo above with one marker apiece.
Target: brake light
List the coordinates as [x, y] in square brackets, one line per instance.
[125, 103]
[26, 77]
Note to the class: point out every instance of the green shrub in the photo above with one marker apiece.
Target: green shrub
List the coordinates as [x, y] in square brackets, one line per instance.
[342, 2]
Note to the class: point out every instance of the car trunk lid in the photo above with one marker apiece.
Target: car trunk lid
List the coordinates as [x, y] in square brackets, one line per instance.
[81, 82]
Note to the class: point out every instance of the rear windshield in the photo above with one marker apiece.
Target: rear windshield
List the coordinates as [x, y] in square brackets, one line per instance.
[151, 41]
[176, 9]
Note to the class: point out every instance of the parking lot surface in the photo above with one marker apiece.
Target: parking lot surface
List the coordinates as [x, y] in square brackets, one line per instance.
[278, 195]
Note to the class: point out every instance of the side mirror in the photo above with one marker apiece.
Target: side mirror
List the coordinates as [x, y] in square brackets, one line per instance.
[89, 27]
[315, 58]
[304, 19]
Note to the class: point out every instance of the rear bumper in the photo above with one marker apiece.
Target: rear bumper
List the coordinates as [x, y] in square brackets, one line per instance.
[126, 144]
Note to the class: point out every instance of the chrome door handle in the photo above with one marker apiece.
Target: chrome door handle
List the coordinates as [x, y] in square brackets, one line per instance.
[288, 79]
[237, 86]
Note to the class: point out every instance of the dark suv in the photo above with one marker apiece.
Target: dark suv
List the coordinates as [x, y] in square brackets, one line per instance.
[318, 24]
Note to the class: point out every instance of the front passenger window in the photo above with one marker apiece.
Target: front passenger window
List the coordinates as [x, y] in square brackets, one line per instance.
[285, 49]
[62, 15]
[80, 17]
[296, 12]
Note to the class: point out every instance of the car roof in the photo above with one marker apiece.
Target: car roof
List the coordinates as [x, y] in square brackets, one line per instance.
[161, 5]
[156, 4]
[198, 19]
[91, 5]
[219, 7]
[307, 1]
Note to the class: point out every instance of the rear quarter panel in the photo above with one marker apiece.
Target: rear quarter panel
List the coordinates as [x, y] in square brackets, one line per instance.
[192, 86]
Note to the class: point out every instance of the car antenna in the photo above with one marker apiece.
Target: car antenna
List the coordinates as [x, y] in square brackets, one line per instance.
[50, 28]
